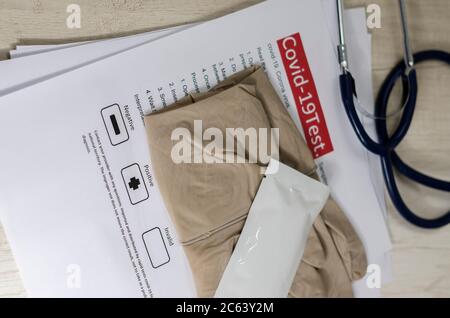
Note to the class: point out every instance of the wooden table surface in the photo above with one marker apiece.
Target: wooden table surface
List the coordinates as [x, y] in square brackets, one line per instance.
[421, 259]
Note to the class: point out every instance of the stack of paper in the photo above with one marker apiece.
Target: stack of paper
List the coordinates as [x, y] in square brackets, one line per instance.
[73, 139]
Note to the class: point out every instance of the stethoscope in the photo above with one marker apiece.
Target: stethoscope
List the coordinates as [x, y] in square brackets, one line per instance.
[385, 147]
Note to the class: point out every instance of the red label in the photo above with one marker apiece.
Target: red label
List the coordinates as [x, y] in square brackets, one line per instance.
[305, 95]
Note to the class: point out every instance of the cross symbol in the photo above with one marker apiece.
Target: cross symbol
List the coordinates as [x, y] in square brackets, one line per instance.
[134, 183]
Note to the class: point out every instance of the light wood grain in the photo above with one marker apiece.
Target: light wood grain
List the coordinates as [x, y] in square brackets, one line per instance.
[421, 259]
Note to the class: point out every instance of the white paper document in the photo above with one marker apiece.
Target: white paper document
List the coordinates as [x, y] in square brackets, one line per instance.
[77, 192]
[31, 69]
[359, 46]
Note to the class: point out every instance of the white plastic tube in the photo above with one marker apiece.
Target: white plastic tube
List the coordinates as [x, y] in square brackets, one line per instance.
[274, 236]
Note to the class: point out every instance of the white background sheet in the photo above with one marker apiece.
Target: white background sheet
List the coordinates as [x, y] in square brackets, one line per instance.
[97, 91]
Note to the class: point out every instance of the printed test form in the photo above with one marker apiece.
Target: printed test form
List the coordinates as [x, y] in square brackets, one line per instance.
[80, 157]
[61, 58]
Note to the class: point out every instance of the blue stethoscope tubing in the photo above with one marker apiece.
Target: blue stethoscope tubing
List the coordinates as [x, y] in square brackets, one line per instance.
[385, 147]
[386, 144]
